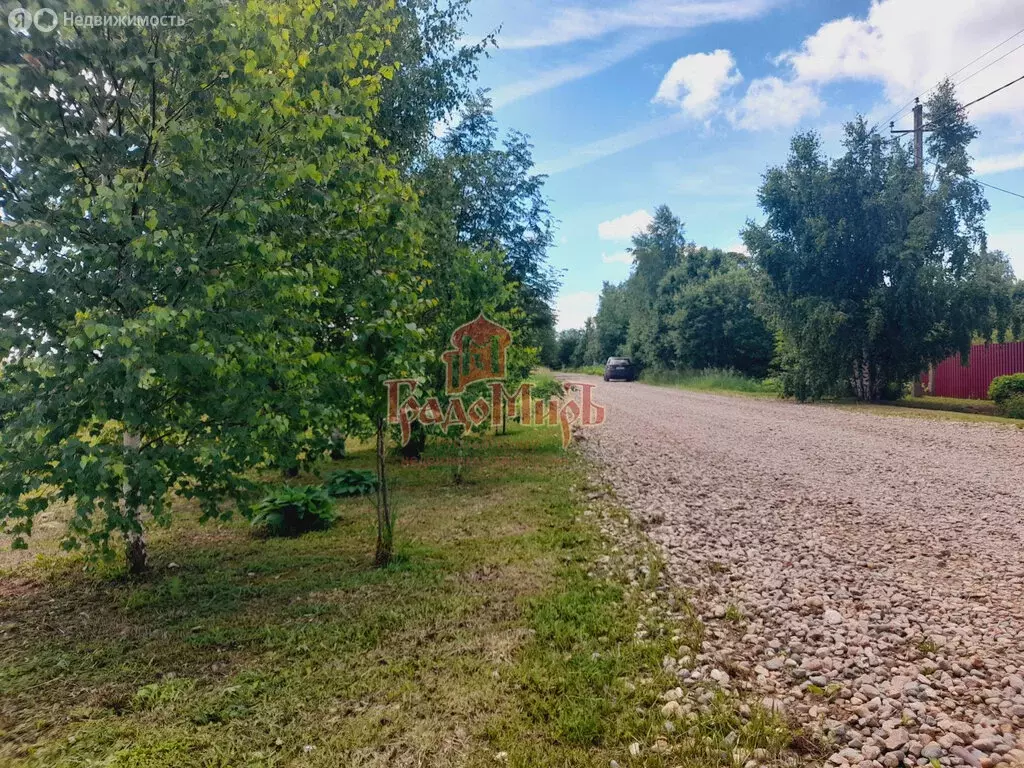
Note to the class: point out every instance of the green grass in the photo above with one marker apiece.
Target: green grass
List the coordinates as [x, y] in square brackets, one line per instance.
[952, 404]
[900, 408]
[710, 380]
[589, 370]
[488, 634]
[713, 380]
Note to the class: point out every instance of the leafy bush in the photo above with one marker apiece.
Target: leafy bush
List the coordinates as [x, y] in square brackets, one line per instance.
[545, 387]
[1013, 407]
[294, 510]
[1006, 388]
[351, 482]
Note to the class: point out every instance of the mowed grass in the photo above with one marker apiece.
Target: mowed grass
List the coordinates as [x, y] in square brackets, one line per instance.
[905, 409]
[953, 404]
[936, 408]
[486, 635]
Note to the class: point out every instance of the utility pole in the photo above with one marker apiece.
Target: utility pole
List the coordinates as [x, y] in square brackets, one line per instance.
[918, 135]
[918, 132]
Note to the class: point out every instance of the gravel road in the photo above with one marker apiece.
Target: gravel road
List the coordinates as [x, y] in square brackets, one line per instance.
[862, 573]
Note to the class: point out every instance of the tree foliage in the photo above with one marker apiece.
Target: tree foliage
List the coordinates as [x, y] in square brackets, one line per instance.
[159, 259]
[709, 305]
[492, 201]
[220, 239]
[683, 307]
[872, 269]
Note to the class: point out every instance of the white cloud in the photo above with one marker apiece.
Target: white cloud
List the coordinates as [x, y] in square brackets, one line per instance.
[771, 102]
[843, 48]
[1010, 242]
[573, 309]
[998, 163]
[560, 25]
[696, 82]
[738, 247]
[611, 145]
[622, 257]
[909, 46]
[552, 78]
[625, 226]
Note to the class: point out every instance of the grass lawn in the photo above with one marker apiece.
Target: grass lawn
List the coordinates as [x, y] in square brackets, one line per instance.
[954, 404]
[726, 382]
[906, 408]
[493, 632]
[588, 370]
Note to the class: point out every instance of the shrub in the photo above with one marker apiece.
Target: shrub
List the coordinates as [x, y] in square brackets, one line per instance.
[294, 510]
[1005, 388]
[1013, 407]
[351, 482]
[545, 387]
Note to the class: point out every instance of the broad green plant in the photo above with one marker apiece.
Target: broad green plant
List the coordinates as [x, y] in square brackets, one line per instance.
[177, 203]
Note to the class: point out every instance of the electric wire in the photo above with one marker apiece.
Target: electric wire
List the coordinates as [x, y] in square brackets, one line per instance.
[903, 109]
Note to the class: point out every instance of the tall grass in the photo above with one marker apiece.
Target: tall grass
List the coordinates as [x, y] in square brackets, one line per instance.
[712, 380]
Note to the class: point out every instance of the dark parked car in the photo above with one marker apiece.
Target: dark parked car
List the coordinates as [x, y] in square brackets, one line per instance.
[619, 368]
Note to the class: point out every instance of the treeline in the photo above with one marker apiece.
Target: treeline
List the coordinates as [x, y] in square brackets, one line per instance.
[218, 241]
[683, 307]
[864, 271]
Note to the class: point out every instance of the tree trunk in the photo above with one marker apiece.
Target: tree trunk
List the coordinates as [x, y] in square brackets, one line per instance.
[135, 551]
[385, 525]
[337, 445]
[417, 442]
[866, 384]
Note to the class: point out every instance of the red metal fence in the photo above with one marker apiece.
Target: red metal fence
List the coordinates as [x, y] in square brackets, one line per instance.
[987, 361]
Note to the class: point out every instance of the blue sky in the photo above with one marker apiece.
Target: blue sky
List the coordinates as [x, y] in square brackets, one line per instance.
[634, 103]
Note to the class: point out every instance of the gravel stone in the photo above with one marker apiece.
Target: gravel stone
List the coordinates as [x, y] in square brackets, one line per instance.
[832, 617]
[880, 554]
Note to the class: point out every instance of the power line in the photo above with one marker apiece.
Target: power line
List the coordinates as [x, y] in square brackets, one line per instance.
[983, 183]
[994, 61]
[986, 53]
[997, 90]
[901, 110]
[993, 186]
